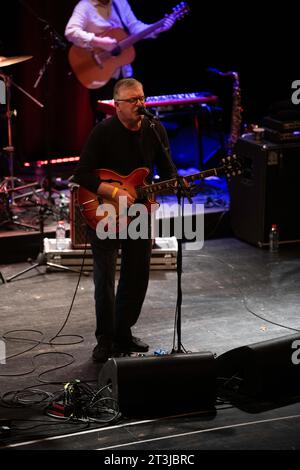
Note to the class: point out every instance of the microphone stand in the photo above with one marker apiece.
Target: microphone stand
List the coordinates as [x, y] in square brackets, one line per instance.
[56, 42]
[181, 191]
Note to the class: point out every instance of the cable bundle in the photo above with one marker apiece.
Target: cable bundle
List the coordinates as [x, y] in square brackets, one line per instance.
[79, 401]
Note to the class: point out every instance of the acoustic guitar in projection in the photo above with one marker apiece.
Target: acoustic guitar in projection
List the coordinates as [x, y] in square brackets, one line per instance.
[135, 184]
[94, 68]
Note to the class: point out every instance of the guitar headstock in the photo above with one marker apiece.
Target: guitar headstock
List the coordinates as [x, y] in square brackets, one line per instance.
[180, 10]
[232, 166]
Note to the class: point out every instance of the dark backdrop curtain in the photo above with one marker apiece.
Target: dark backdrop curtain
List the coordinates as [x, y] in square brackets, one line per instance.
[61, 127]
[259, 41]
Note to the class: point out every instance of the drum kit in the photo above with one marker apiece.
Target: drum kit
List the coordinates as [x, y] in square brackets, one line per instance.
[6, 61]
[12, 188]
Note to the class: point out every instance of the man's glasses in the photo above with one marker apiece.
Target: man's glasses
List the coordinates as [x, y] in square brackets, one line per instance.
[133, 100]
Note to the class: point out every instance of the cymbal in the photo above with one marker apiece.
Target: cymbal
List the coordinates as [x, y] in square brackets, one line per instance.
[5, 61]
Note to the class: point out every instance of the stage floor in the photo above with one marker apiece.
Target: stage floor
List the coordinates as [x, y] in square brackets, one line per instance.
[234, 295]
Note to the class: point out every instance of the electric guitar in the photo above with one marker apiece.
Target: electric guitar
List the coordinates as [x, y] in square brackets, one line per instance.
[135, 184]
[95, 68]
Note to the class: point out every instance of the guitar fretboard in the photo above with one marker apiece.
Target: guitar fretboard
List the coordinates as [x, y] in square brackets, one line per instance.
[170, 184]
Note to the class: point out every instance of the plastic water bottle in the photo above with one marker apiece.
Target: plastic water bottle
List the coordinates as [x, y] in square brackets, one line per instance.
[60, 235]
[160, 352]
[274, 238]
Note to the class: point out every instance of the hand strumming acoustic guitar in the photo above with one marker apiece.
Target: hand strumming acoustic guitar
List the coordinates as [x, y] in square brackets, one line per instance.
[136, 185]
[95, 68]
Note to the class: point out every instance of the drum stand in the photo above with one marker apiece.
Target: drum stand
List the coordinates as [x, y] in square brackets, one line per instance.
[8, 185]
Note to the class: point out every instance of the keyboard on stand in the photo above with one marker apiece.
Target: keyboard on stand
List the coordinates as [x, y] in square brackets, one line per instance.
[172, 106]
[167, 102]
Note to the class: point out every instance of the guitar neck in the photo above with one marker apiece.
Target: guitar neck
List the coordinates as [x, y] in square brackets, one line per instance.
[130, 40]
[170, 184]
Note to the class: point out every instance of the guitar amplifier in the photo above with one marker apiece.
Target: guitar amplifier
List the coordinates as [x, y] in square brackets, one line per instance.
[282, 137]
[281, 131]
[281, 126]
[78, 227]
[267, 191]
[163, 256]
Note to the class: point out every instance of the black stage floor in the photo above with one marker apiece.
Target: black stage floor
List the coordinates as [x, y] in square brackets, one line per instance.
[234, 295]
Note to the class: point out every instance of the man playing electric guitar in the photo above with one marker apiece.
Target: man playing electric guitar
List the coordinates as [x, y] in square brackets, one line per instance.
[122, 143]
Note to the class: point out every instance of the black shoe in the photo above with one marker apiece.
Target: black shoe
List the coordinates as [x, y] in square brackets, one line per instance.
[132, 344]
[101, 353]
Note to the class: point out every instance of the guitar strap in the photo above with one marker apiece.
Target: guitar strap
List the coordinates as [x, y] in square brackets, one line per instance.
[114, 3]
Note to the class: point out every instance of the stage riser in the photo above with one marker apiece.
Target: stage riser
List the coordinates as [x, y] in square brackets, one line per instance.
[164, 254]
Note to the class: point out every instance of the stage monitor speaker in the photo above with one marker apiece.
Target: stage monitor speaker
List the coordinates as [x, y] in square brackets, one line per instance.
[267, 369]
[267, 191]
[160, 385]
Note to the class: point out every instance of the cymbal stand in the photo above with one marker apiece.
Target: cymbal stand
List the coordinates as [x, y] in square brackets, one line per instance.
[8, 185]
[9, 148]
[8, 82]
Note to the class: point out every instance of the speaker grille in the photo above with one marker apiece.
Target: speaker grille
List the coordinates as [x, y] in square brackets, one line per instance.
[78, 226]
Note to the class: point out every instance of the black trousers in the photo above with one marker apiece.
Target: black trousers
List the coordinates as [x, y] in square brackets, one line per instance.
[117, 312]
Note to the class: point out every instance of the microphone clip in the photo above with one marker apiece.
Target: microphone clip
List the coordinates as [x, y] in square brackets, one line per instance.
[144, 111]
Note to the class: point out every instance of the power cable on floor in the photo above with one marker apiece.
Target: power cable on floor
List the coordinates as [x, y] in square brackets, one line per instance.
[6, 336]
[245, 301]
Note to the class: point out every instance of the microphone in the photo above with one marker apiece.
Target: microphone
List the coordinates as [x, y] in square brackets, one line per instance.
[143, 110]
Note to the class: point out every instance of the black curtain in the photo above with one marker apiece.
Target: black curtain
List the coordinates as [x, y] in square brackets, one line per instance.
[258, 41]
